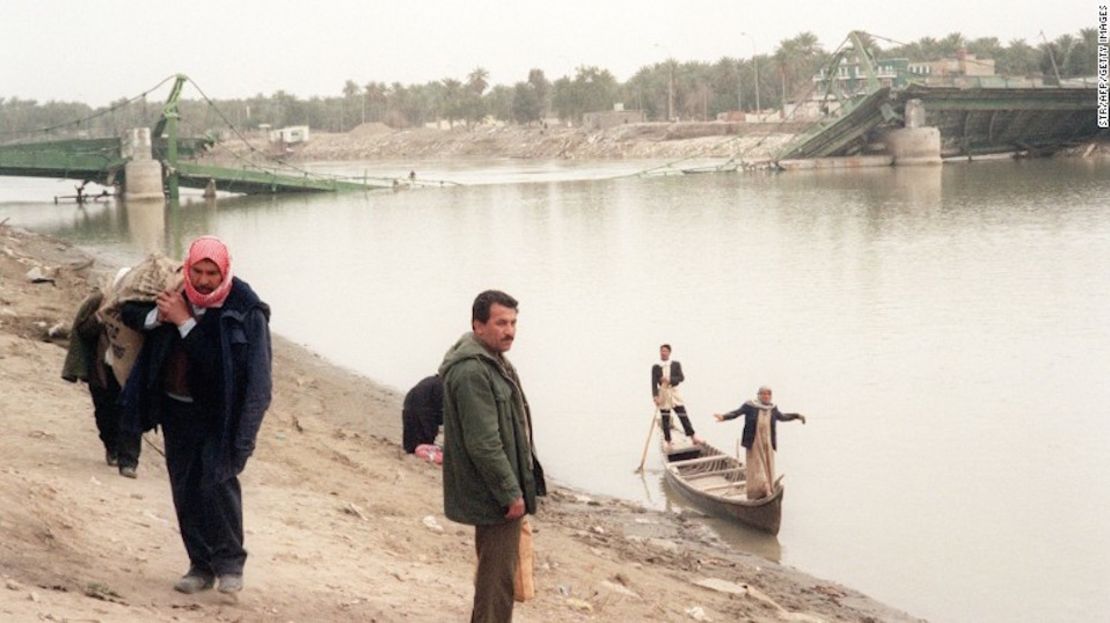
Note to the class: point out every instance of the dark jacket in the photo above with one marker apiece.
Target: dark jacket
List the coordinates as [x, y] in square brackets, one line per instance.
[488, 459]
[229, 376]
[422, 413]
[85, 354]
[657, 376]
[751, 413]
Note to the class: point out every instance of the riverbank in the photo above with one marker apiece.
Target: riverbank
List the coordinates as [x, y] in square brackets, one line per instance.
[341, 525]
[370, 141]
[743, 143]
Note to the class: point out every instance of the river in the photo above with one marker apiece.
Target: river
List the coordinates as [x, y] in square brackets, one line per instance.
[946, 331]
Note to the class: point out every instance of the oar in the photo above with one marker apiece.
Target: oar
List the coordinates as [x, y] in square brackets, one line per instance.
[647, 442]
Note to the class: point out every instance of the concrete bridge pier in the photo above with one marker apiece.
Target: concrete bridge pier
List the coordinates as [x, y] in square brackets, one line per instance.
[142, 174]
[914, 144]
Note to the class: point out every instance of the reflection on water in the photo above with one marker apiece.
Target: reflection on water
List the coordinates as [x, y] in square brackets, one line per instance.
[936, 325]
[737, 535]
[146, 225]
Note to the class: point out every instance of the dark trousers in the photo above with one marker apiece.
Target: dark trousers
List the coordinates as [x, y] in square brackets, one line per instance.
[497, 546]
[209, 515]
[125, 447]
[680, 411]
[417, 427]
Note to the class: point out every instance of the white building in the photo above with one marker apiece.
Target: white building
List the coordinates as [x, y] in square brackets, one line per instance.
[290, 135]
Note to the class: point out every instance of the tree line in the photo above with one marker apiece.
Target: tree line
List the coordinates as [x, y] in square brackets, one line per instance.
[688, 90]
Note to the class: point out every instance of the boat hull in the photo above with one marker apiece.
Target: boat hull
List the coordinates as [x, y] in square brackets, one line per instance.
[764, 514]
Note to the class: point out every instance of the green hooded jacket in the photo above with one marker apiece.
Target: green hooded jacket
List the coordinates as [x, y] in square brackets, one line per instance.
[488, 459]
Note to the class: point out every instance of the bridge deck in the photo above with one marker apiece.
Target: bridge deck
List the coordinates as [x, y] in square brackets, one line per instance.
[260, 181]
[992, 120]
[88, 159]
[981, 120]
[100, 160]
[834, 137]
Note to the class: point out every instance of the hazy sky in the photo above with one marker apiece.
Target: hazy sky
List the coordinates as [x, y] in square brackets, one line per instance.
[100, 51]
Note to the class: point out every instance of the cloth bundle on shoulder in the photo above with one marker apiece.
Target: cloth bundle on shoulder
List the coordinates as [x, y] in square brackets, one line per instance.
[141, 284]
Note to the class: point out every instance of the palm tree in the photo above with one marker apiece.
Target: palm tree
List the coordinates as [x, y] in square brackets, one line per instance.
[477, 80]
[930, 49]
[1019, 59]
[798, 59]
[1065, 47]
[452, 100]
[952, 44]
[473, 107]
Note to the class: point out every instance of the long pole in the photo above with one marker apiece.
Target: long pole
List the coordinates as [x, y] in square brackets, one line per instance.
[647, 442]
[1051, 57]
[670, 94]
[739, 87]
[755, 64]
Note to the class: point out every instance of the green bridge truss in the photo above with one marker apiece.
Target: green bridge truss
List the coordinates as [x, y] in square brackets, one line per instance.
[101, 160]
[985, 118]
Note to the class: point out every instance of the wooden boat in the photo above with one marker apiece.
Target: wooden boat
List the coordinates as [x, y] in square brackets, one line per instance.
[715, 481]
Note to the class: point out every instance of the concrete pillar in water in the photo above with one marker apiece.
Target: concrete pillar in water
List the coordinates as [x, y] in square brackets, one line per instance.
[914, 114]
[142, 174]
[909, 146]
[915, 143]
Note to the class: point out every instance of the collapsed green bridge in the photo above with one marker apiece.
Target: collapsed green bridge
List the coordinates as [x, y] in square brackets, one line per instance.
[971, 122]
[170, 159]
[982, 116]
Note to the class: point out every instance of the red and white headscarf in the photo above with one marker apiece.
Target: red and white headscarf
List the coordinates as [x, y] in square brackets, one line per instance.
[213, 249]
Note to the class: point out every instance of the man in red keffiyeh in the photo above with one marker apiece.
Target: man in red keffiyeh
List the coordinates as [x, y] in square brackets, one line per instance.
[209, 268]
[204, 376]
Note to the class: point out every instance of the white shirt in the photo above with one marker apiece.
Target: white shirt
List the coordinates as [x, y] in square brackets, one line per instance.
[183, 328]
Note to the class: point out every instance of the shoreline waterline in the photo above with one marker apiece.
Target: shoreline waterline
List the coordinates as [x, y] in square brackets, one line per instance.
[325, 419]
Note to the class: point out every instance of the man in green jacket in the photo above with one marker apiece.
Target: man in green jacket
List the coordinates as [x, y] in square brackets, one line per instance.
[490, 474]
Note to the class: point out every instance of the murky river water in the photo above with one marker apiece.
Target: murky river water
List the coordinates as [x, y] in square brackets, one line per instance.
[946, 330]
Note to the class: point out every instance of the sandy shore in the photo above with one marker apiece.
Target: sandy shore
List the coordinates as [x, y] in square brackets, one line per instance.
[693, 140]
[341, 525]
[748, 143]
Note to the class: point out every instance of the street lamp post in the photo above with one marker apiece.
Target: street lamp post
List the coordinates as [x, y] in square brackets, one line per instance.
[755, 65]
[670, 94]
[739, 87]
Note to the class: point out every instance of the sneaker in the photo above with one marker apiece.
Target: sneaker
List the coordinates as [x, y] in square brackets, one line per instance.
[698, 441]
[128, 471]
[667, 447]
[111, 458]
[192, 583]
[231, 583]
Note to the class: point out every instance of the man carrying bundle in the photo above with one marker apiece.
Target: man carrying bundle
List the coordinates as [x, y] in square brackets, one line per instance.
[204, 376]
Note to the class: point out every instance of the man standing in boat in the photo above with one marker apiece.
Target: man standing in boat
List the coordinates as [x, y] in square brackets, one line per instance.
[665, 378]
[759, 439]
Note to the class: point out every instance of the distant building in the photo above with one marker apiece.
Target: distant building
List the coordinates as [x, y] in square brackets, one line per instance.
[811, 109]
[849, 78]
[963, 65]
[609, 118]
[290, 135]
[767, 115]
